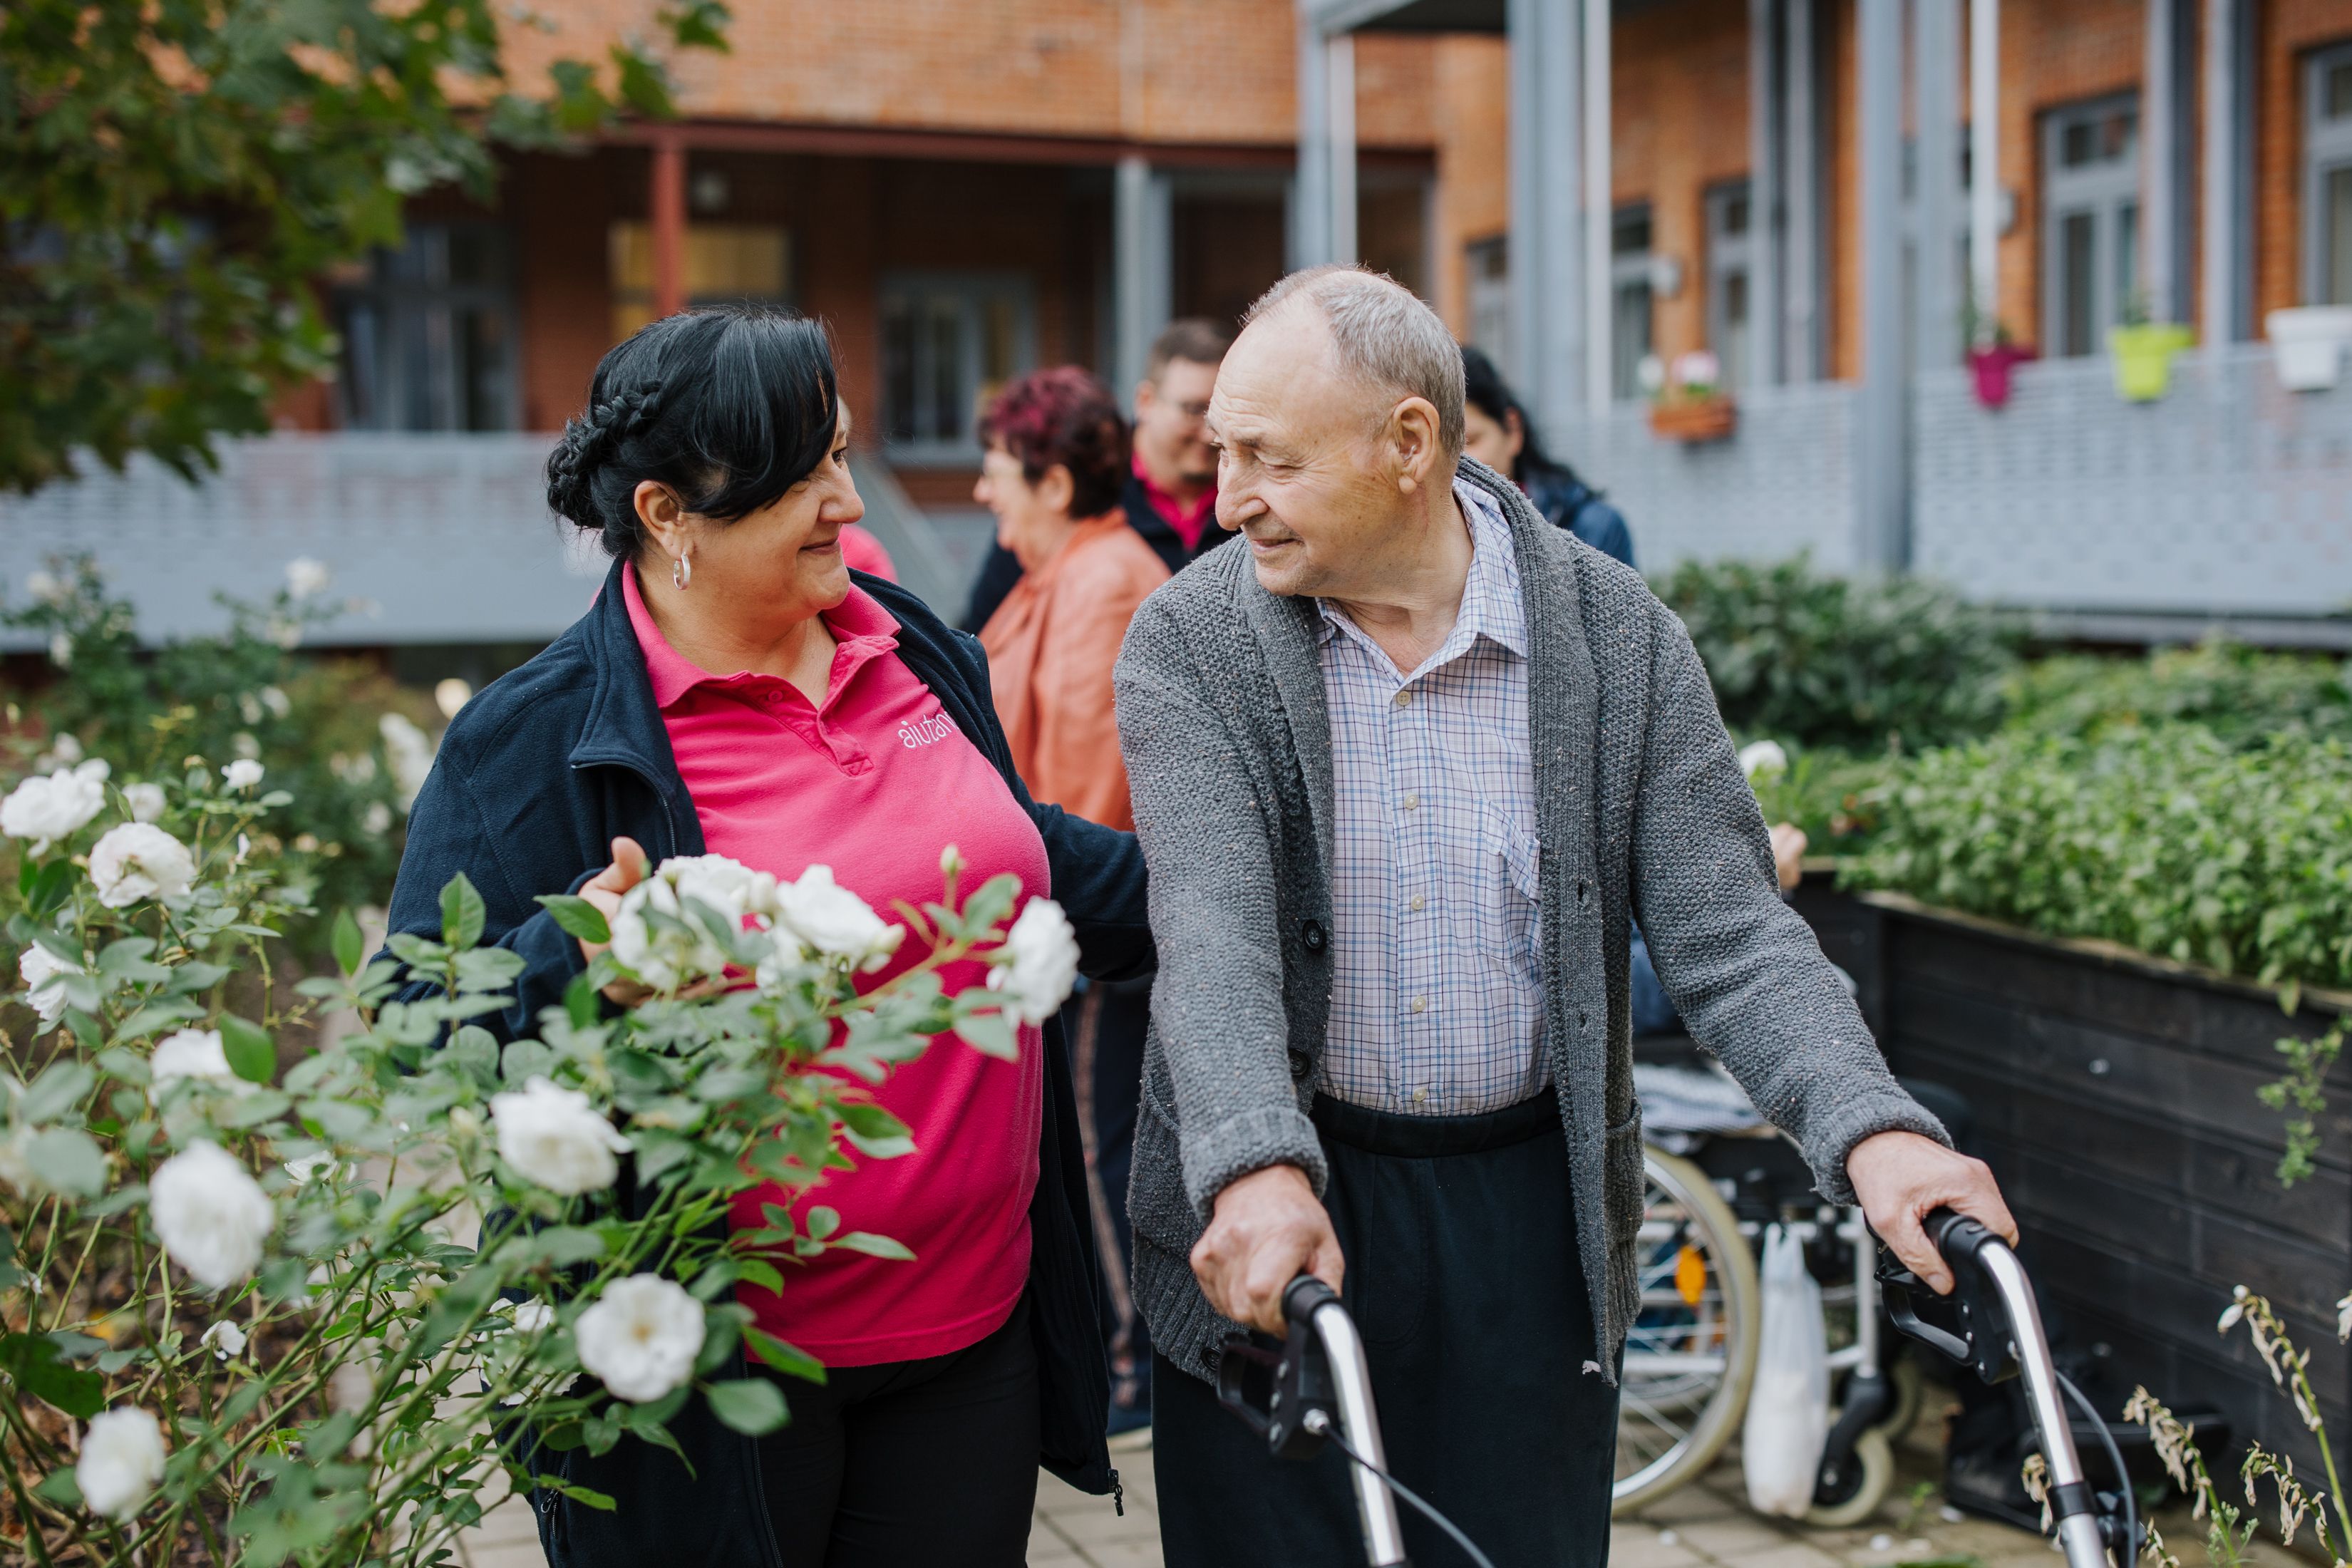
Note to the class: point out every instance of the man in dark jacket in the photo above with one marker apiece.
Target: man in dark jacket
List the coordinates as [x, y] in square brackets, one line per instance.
[1172, 497]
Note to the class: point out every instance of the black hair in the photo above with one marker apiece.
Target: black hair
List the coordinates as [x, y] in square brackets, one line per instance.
[728, 407]
[1483, 388]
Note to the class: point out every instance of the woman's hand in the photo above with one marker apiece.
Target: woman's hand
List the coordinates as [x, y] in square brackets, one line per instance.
[1788, 854]
[604, 890]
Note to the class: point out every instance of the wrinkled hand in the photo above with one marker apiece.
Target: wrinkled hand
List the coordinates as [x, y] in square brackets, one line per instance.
[1789, 842]
[1901, 1178]
[628, 869]
[1268, 1228]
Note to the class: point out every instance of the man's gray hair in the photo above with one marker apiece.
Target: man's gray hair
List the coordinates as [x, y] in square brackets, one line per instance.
[1386, 337]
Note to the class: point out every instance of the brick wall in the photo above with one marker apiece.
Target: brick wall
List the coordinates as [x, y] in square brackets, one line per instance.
[1470, 118]
[1162, 70]
[2287, 31]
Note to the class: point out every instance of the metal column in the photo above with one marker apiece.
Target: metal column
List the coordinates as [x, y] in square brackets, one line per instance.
[1141, 274]
[1310, 207]
[2159, 126]
[1600, 227]
[1546, 255]
[1935, 99]
[2218, 211]
[1882, 417]
[1764, 110]
[1802, 164]
[1340, 143]
[1984, 165]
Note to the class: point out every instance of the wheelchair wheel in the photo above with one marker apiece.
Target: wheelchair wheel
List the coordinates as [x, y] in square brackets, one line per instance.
[1690, 1355]
[1862, 1486]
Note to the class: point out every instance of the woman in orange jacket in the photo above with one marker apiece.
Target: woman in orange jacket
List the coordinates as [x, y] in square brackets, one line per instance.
[1055, 465]
[1057, 460]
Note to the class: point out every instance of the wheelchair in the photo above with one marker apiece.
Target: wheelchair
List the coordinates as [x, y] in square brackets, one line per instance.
[1718, 1174]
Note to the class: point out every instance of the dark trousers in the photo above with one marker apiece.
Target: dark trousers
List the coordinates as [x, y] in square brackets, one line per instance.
[929, 1462]
[1462, 1273]
[1105, 1026]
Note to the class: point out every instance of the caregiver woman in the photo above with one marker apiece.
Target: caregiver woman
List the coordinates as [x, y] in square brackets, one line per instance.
[736, 691]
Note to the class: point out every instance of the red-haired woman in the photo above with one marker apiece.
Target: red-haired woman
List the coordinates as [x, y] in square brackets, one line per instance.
[1057, 460]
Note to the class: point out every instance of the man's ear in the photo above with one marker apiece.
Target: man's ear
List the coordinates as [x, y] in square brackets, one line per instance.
[1414, 444]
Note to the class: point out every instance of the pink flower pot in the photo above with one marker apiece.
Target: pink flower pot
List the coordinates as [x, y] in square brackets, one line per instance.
[1992, 367]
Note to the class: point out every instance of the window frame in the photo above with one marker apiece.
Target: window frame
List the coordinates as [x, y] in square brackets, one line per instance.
[389, 299]
[1729, 256]
[973, 289]
[2111, 194]
[2327, 151]
[1630, 270]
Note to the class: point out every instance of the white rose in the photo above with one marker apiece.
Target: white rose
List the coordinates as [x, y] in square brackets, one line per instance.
[310, 1167]
[641, 1337]
[145, 800]
[42, 972]
[277, 701]
[666, 959]
[44, 586]
[139, 860]
[61, 650]
[1039, 962]
[211, 1215]
[225, 1338]
[241, 774]
[121, 1461]
[307, 578]
[194, 1054]
[1763, 759]
[50, 808]
[555, 1139]
[836, 922]
[409, 751]
[377, 818]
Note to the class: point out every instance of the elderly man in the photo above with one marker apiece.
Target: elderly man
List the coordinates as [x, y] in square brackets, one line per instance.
[1403, 771]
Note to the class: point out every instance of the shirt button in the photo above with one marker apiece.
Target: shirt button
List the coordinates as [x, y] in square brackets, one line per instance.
[1419, 903]
[1412, 803]
[1419, 1095]
[1421, 1004]
[1404, 698]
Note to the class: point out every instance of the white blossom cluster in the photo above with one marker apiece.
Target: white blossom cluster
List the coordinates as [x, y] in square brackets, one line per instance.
[813, 920]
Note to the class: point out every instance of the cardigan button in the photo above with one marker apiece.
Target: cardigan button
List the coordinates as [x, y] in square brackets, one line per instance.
[1583, 891]
[1314, 937]
[1301, 1064]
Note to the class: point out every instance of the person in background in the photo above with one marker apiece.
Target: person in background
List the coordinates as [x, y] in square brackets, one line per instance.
[1056, 464]
[1171, 497]
[1501, 435]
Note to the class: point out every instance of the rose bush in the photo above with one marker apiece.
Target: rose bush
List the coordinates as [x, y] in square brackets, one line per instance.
[255, 1311]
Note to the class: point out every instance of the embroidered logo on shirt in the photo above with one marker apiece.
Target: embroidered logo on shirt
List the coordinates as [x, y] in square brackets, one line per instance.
[928, 731]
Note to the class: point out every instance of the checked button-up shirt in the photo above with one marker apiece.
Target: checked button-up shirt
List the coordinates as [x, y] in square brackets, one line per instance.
[1437, 997]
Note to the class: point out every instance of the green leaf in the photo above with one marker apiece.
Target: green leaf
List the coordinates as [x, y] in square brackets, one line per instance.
[61, 1488]
[989, 1033]
[578, 918]
[874, 1245]
[252, 1055]
[68, 1160]
[49, 888]
[35, 1366]
[823, 1221]
[587, 1496]
[752, 1406]
[780, 1356]
[351, 948]
[759, 1272]
[61, 1087]
[462, 913]
[581, 1005]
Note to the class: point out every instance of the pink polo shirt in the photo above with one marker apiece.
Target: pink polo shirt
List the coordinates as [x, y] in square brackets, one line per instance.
[873, 783]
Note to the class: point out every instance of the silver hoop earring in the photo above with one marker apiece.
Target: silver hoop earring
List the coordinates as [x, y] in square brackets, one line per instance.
[681, 573]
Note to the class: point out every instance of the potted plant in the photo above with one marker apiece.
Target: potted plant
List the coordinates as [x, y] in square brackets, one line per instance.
[2143, 350]
[2310, 342]
[1686, 403]
[1992, 356]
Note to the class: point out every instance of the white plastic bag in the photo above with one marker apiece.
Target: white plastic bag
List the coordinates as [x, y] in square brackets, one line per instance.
[1789, 1410]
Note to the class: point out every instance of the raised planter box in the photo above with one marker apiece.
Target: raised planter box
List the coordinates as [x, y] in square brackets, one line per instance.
[2115, 1095]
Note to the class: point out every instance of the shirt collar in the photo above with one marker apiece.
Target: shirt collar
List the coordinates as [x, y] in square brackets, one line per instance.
[1491, 605]
[1189, 521]
[861, 629]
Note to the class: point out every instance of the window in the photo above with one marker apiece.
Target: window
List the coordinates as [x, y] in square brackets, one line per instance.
[2090, 235]
[949, 340]
[1630, 287]
[1729, 254]
[725, 262]
[429, 332]
[1487, 263]
[2328, 198]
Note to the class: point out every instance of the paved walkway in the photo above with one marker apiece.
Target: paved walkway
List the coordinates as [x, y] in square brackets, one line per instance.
[1705, 1525]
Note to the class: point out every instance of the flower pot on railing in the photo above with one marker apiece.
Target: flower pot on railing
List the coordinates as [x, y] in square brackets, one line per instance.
[1710, 418]
[1991, 366]
[2143, 358]
[2310, 343]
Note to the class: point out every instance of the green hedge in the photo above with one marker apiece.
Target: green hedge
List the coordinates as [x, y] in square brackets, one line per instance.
[2244, 695]
[1827, 661]
[2167, 838]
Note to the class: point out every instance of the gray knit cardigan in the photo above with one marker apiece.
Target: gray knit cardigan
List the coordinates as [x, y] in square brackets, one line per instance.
[1642, 812]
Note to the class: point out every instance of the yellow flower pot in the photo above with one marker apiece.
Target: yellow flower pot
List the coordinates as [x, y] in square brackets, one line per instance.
[2143, 358]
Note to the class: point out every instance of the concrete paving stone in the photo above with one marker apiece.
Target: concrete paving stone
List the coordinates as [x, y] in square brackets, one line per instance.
[1730, 1538]
[1688, 1505]
[1639, 1547]
[1789, 1554]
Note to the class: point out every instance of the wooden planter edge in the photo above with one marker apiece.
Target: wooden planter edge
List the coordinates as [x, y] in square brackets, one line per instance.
[2113, 955]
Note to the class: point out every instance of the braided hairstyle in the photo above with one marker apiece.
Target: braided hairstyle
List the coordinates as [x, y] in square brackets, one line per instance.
[727, 407]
